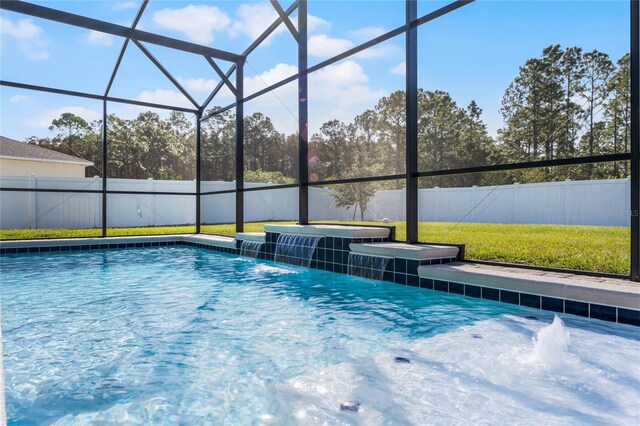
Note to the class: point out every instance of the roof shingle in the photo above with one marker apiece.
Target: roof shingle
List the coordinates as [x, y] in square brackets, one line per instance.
[10, 148]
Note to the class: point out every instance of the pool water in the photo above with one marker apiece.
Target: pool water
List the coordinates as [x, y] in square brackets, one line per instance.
[180, 335]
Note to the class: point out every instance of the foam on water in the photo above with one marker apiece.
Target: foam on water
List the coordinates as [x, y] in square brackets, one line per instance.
[271, 269]
[183, 335]
[551, 344]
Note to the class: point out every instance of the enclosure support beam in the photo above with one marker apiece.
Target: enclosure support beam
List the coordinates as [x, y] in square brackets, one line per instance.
[198, 173]
[124, 47]
[239, 147]
[257, 42]
[222, 75]
[117, 30]
[285, 18]
[635, 140]
[93, 96]
[412, 123]
[303, 116]
[166, 72]
[104, 168]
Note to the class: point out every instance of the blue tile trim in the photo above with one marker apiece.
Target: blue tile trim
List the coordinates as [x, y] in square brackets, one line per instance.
[491, 294]
[576, 308]
[86, 247]
[472, 291]
[588, 310]
[628, 316]
[456, 288]
[606, 313]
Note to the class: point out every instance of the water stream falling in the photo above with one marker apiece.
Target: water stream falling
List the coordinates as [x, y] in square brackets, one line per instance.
[251, 248]
[296, 249]
[366, 266]
[551, 344]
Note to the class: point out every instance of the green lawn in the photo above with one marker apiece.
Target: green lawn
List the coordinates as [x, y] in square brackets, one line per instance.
[589, 248]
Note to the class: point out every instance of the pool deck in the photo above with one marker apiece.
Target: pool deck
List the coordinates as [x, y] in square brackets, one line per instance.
[602, 291]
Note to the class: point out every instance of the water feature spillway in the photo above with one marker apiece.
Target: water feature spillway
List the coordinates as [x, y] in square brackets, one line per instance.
[251, 248]
[367, 266]
[296, 249]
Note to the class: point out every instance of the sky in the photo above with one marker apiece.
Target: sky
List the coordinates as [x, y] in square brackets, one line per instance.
[473, 53]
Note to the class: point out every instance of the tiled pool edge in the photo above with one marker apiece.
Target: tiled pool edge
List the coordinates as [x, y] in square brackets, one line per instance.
[331, 255]
[223, 244]
[537, 301]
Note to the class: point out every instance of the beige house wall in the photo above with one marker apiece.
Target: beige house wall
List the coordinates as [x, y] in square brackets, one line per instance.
[9, 167]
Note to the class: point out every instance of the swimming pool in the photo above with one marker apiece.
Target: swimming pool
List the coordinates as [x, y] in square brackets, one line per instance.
[186, 335]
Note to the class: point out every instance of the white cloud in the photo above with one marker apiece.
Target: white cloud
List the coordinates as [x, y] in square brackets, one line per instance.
[254, 19]
[198, 84]
[341, 74]
[28, 36]
[19, 98]
[323, 46]
[367, 33]
[44, 119]
[124, 5]
[315, 23]
[271, 104]
[269, 77]
[205, 85]
[198, 22]
[400, 69]
[339, 91]
[164, 97]
[384, 51]
[96, 37]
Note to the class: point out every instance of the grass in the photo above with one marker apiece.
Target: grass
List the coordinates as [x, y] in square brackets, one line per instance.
[587, 248]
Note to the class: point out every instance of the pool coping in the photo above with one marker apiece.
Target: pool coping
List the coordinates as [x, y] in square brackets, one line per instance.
[614, 300]
[66, 244]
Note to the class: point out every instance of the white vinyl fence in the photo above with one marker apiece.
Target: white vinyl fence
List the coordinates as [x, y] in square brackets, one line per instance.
[596, 202]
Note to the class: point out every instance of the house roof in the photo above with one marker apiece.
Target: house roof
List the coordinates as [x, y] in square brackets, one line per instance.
[13, 149]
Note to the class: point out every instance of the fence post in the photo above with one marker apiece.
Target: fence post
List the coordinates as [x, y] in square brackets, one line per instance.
[151, 218]
[436, 205]
[97, 212]
[474, 190]
[567, 212]
[627, 207]
[516, 202]
[33, 197]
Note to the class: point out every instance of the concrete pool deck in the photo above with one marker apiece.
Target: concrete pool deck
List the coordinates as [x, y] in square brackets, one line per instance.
[582, 288]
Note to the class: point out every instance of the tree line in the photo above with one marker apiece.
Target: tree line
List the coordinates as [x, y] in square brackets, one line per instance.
[564, 103]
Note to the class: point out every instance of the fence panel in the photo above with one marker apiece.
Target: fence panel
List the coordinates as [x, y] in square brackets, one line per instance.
[595, 202]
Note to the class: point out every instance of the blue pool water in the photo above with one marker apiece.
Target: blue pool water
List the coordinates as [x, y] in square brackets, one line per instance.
[180, 335]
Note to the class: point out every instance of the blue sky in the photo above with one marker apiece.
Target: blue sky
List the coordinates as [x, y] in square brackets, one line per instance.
[473, 53]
